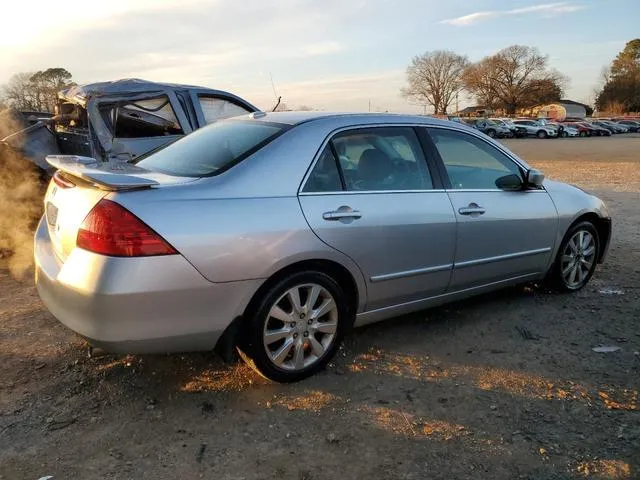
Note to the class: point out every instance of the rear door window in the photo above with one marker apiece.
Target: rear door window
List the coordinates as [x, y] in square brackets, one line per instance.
[325, 176]
[382, 158]
[212, 149]
[215, 108]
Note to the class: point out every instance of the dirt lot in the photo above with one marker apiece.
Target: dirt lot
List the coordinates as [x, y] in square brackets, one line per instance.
[505, 386]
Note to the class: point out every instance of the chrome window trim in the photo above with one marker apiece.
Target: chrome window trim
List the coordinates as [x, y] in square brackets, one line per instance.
[368, 192]
[335, 132]
[452, 190]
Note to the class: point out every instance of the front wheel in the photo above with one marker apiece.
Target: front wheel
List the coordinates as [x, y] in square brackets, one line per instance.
[491, 133]
[576, 259]
[583, 134]
[296, 328]
[541, 134]
[564, 134]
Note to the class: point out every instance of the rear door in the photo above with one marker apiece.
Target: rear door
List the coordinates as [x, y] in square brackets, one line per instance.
[372, 196]
[502, 234]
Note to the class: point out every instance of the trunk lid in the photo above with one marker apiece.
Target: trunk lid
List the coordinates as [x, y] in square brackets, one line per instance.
[80, 183]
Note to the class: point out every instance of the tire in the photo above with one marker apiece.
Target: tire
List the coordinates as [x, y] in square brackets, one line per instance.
[541, 134]
[491, 133]
[292, 354]
[583, 134]
[564, 134]
[561, 276]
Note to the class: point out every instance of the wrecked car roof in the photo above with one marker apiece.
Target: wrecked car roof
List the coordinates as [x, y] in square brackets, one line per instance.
[126, 86]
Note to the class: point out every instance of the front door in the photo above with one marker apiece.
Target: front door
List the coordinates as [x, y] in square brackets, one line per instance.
[371, 196]
[502, 234]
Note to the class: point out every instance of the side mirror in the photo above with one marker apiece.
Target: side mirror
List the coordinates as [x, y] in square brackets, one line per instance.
[509, 182]
[535, 178]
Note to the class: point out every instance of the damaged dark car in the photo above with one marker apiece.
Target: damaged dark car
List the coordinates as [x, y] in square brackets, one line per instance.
[121, 120]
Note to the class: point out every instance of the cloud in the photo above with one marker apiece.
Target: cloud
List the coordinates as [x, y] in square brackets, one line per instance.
[545, 9]
[202, 41]
[470, 19]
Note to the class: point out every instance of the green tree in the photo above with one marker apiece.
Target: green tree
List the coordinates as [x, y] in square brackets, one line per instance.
[622, 87]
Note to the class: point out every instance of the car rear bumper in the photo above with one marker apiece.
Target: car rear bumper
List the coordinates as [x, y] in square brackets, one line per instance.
[136, 305]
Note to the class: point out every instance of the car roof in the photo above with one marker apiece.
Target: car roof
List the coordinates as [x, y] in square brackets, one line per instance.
[296, 118]
[126, 86]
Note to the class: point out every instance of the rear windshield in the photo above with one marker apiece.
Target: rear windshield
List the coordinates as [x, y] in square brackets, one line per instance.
[212, 149]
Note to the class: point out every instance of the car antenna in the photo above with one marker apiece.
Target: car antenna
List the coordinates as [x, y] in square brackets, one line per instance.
[277, 104]
[275, 93]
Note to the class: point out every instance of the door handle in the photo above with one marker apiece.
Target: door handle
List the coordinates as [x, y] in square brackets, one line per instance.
[473, 209]
[341, 214]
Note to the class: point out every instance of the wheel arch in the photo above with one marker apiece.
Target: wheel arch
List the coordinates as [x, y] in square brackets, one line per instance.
[603, 227]
[229, 339]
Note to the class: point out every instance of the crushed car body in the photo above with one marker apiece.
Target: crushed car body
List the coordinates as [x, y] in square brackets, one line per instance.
[121, 120]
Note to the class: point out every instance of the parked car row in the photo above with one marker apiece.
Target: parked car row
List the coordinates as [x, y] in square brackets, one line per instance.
[543, 128]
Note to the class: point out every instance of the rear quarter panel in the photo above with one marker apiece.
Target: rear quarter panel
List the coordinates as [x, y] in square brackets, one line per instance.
[233, 239]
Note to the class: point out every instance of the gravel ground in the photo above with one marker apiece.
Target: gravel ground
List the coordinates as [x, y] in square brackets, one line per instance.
[505, 386]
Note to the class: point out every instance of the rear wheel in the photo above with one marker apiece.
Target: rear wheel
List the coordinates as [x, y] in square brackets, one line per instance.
[564, 134]
[491, 133]
[296, 327]
[541, 134]
[576, 259]
[583, 134]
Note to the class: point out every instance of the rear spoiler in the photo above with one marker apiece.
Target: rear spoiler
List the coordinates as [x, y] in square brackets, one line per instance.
[104, 175]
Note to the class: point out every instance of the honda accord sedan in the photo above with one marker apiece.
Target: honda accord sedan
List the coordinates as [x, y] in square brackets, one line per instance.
[277, 232]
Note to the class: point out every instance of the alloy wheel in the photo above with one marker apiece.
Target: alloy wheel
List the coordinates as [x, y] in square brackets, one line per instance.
[301, 327]
[578, 258]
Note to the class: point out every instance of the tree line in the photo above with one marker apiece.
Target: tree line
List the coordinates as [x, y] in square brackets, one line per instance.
[513, 78]
[516, 77]
[621, 89]
[35, 91]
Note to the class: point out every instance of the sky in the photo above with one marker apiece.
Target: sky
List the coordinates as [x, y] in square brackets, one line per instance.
[347, 55]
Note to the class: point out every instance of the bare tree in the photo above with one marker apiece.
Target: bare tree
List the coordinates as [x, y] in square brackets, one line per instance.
[512, 78]
[36, 91]
[434, 79]
[18, 92]
[479, 80]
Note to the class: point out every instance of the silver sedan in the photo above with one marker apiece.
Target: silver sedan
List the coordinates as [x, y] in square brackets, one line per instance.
[276, 233]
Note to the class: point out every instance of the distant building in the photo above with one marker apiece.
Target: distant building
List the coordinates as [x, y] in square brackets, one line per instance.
[563, 109]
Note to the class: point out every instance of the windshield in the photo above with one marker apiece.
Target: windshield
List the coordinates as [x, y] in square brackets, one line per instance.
[213, 149]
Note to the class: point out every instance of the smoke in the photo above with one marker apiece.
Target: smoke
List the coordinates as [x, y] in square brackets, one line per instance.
[20, 202]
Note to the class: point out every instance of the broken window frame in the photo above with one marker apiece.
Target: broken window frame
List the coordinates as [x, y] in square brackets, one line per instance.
[109, 111]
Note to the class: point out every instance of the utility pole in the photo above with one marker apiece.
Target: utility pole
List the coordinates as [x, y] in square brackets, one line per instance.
[457, 107]
[369, 105]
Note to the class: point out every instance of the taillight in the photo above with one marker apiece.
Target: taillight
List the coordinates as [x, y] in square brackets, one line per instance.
[110, 229]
